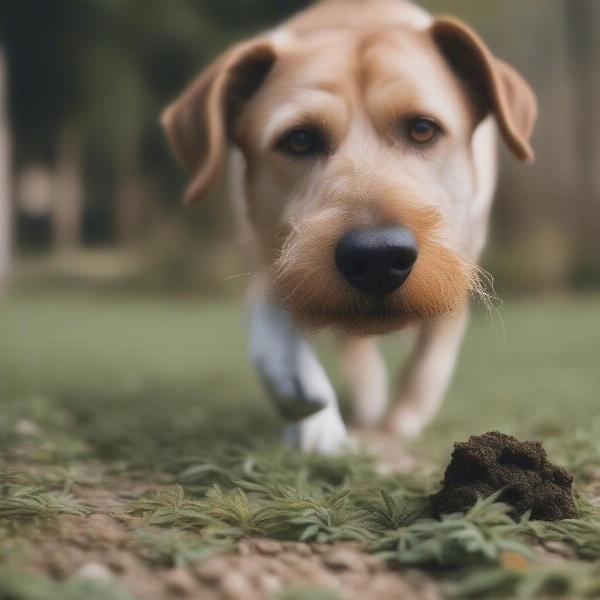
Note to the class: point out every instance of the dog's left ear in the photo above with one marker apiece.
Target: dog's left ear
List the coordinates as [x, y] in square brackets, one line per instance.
[496, 86]
[199, 123]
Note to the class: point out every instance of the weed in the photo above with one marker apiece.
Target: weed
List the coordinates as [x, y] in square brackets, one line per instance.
[23, 503]
[175, 548]
[570, 580]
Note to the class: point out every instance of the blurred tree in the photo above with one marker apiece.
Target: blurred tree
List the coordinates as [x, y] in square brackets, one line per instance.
[583, 19]
[106, 68]
[68, 191]
[5, 187]
[45, 95]
[95, 75]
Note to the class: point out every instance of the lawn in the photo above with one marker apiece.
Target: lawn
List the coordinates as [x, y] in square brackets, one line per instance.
[108, 399]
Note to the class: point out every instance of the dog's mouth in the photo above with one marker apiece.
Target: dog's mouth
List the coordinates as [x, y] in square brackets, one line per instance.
[358, 314]
[312, 287]
[380, 312]
[377, 317]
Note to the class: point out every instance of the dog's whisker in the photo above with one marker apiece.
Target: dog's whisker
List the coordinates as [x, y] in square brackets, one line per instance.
[485, 291]
[240, 275]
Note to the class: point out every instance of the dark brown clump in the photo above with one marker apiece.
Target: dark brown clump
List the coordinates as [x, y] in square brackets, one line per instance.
[494, 461]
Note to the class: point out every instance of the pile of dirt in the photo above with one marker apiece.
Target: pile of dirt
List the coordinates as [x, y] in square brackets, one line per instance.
[495, 461]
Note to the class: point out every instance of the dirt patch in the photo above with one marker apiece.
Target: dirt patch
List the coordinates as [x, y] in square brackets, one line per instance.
[107, 545]
[261, 567]
[105, 548]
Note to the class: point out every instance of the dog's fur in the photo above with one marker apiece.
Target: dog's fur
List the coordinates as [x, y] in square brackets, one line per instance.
[357, 70]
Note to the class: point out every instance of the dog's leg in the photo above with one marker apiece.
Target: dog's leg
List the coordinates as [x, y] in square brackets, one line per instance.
[295, 380]
[428, 373]
[366, 374]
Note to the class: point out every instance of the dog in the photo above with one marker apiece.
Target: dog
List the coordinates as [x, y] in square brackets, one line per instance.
[362, 143]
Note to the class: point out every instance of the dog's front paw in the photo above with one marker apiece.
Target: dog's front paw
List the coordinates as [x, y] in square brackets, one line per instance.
[369, 408]
[294, 402]
[324, 433]
[291, 397]
[408, 422]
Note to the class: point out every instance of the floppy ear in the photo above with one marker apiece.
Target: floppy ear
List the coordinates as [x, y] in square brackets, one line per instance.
[496, 86]
[199, 123]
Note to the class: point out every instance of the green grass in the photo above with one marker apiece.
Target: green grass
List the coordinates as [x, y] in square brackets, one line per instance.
[152, 387]
[306, 593]
[15, 586]
[137, 373]
[140, 377]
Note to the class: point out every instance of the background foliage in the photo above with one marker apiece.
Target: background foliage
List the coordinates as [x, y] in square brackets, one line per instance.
[100, 71]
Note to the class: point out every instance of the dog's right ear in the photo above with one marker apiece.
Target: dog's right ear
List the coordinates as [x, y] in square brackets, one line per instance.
[199, 123]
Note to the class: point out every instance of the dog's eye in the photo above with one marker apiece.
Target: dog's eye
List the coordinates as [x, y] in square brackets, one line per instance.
[423, 131]
[302, 142]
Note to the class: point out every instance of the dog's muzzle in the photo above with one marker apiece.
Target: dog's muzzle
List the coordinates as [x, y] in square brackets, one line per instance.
[376, 261]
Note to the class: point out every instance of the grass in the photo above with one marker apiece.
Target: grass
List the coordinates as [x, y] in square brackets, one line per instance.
[14, 586]
[306, 593]
[141, 388]
[179, 363]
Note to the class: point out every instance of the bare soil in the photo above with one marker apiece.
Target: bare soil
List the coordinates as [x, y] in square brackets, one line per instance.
[104, 546]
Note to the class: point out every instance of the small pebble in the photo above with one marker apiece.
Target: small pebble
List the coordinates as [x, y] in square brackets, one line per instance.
[213, 569]
[268, 583]
[341, 559]
[237, 587]
[180, 581]
[95, 571]
[277, 569]
[106, 529]
[244, 549]
[560, 548]
[268, 546]
[299, 549]
[121, 562]
[25, 427]
[289, 559]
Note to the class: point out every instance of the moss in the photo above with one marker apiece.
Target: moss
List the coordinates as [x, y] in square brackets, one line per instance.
[495, 461]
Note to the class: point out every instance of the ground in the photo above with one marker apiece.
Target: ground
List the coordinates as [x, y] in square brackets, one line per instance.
[139, 459]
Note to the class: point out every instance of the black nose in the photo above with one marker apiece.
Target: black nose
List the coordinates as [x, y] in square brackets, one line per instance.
[376, 260]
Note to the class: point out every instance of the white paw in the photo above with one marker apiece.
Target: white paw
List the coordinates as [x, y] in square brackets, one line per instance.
[369, 409]
[408, 422]
[323, 432]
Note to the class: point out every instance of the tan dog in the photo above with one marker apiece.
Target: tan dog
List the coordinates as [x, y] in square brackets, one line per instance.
[364, 170]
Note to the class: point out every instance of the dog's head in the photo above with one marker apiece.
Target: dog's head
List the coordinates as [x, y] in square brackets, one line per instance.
[360, 165]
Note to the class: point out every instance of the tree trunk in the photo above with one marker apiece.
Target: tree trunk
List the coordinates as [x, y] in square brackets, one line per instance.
[130, 213]
[5, 176]
[68, 193]
[582, 18]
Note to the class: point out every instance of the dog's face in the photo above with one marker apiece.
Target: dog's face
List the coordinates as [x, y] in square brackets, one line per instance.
[360, 169]
[352, 135]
